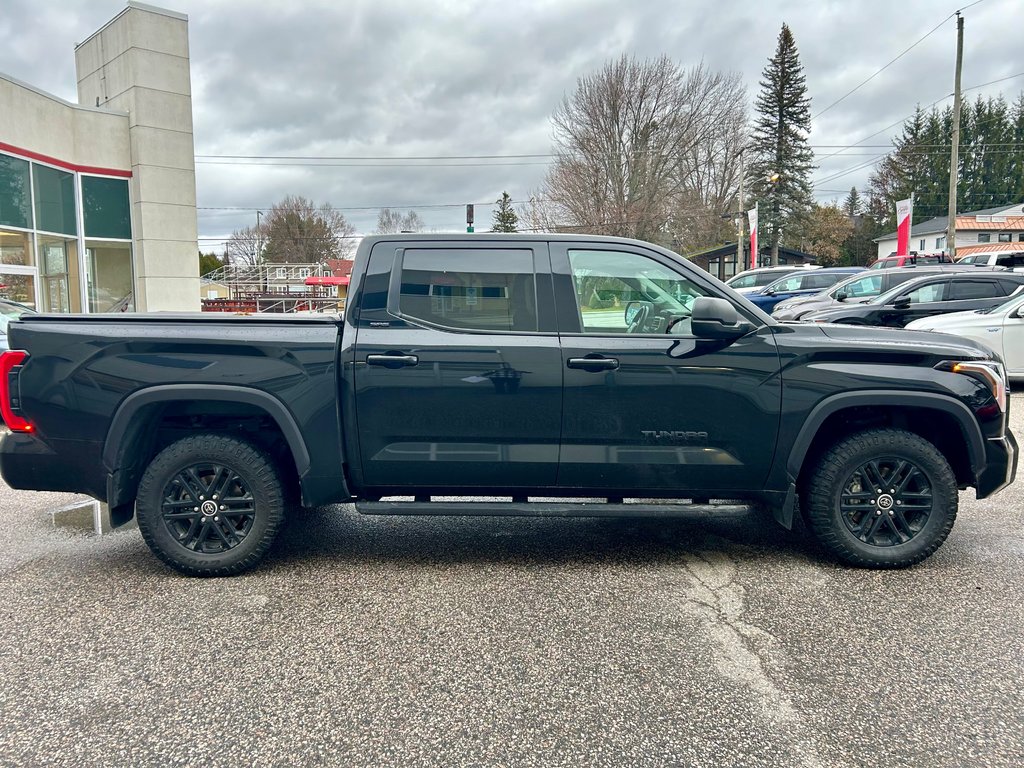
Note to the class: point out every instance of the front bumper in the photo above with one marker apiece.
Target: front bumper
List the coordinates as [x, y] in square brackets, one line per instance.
[1000, 465]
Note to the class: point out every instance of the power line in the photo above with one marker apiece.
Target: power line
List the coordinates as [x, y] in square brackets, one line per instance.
[880, 71]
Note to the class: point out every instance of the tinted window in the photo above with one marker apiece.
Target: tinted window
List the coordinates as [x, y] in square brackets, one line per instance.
[974, 289]
[1010, 286]
[1011, 260]
[480, 290]
[822, 281]
[607, 281]
[14, 192]
[105, 207]
[55, 200]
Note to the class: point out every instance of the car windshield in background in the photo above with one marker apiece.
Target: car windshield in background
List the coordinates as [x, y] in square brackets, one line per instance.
[10, 311]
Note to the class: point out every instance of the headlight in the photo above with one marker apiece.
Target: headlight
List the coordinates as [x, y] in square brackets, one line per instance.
[989, 372]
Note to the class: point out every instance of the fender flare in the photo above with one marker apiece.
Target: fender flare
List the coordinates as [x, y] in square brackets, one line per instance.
[115, 445]
[924, 400]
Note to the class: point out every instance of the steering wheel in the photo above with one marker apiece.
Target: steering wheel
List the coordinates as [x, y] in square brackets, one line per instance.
[640, 319]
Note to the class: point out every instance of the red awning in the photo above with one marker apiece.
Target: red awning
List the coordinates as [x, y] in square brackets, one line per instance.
[327, 280]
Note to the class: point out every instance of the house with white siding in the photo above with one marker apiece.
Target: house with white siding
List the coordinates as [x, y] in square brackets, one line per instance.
[993, 229]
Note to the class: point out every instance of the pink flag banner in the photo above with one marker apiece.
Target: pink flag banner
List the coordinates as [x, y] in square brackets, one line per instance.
[752, 215]
[904, 215]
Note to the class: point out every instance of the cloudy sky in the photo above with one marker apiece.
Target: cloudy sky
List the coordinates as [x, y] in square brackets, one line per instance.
[453, 78]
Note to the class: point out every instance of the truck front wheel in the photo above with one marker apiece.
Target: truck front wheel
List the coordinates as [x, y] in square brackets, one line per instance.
[884, 498]
[210, 505]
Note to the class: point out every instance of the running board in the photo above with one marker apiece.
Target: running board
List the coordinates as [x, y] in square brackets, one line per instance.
[545, 509]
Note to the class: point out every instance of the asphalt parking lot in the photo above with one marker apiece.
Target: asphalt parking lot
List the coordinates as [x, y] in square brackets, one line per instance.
[454, 641]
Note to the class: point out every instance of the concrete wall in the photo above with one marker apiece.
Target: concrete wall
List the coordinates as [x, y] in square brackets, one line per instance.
[40, 122]
[139, 63]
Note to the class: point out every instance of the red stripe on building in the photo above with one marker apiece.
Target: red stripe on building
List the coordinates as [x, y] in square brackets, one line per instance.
[63, 163]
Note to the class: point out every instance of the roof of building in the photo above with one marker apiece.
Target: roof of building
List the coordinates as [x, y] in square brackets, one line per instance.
[968, 220]
[730, 248]
[966, 250]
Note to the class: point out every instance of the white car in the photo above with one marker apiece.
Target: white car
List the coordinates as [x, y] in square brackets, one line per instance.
[1001, 329]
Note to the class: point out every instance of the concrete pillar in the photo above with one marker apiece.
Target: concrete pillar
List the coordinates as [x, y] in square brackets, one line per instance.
[139, 63]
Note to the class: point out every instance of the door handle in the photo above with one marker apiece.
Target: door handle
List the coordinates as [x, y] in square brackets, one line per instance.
[593, 364]
[392, 361]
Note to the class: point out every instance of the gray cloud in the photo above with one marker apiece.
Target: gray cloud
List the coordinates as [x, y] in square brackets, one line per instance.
[391, 78]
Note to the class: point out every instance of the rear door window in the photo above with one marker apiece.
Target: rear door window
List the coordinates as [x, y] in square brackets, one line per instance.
[975, 289]
[469, 289]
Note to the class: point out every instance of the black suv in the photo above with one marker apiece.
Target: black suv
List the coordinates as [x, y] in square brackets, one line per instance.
[926, 296]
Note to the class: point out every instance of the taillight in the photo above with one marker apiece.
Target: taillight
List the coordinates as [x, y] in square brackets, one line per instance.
[11, 402]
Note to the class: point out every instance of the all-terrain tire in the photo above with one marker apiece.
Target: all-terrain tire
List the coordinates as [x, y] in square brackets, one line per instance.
[210, 505]
[883, 498]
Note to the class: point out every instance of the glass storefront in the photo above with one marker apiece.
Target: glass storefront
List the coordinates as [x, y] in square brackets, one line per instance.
[65, 239]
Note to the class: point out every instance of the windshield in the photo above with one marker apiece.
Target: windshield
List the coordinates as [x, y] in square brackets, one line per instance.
[10, 312]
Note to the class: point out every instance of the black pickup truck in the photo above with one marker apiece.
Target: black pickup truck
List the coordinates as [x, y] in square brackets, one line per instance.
[535, 371]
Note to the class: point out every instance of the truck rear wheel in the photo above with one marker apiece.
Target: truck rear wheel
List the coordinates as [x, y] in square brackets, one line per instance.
[884, 498]
[210, 505]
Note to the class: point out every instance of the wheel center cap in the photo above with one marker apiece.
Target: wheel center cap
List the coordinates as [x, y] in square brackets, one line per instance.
[884, 501]
[209, 508]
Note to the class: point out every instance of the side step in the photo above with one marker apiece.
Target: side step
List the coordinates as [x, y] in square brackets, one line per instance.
[590, 508]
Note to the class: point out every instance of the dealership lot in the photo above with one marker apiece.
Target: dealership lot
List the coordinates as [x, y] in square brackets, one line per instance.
[455, 641]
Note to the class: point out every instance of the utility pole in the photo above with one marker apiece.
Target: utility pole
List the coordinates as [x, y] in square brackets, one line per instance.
[955, 149]
[740, 261]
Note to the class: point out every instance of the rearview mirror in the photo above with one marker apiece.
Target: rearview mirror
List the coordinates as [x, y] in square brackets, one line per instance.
[716, 319]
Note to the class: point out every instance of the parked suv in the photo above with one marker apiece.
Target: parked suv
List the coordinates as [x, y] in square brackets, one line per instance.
[1009, 259]
[754, 279]
[857, 290]
[926, 296]
[804, 284]
[913, 258]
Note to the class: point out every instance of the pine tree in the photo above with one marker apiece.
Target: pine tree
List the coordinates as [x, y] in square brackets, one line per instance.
[781, 160]
[505, 218]
[852, 206]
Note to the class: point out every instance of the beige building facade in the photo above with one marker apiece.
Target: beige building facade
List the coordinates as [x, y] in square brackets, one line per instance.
[98, 199]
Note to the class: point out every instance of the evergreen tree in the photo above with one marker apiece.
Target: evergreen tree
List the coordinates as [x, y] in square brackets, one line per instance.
[781, 160]
[852, 206]
[505, 218]
[990, 170]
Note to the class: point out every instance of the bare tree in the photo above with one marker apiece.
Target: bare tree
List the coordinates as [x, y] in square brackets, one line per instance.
[632, 145]
[245, 247]
[710, 174]
[300, 232]
[390, 222]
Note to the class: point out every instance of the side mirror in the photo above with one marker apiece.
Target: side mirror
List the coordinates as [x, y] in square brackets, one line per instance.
[841, 296]
[716, 319]
[768, 292]
[903, 302]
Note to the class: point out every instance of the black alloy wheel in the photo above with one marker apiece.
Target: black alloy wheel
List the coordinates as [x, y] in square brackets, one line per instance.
[208, 508]
[882, 498]
[886, 502]
[210, 505]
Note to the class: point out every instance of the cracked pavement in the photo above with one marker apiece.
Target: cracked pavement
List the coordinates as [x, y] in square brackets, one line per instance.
[710, 641]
